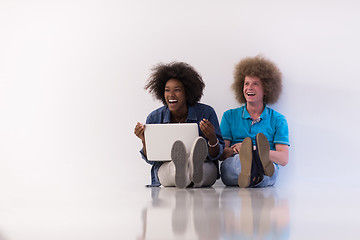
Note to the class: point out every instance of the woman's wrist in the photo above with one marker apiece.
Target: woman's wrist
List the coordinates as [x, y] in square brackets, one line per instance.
[213, 145]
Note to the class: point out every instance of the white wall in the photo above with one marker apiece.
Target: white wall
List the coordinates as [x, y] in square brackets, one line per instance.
[72, 75]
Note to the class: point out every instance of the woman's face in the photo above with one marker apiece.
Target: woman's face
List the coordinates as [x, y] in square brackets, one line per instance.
[253, 90]
[175, 95]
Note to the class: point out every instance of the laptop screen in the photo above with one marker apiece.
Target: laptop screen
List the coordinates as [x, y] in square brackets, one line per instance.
[159, 139]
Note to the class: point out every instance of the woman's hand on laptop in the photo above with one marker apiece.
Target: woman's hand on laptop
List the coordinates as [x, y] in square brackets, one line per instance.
[139, 131]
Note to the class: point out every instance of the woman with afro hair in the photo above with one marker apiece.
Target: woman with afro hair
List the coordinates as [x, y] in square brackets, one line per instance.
[179, 87]
[256, 136]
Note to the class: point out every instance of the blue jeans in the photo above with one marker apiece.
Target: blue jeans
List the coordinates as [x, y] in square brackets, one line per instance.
[230, 169]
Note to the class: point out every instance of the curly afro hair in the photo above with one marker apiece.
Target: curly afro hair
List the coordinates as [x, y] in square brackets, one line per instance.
[190, 78]
[262, 68]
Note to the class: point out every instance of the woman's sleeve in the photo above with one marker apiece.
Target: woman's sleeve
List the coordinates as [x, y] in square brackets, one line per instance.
[215, 122]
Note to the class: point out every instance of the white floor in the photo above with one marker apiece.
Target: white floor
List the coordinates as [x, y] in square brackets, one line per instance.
[312, 210]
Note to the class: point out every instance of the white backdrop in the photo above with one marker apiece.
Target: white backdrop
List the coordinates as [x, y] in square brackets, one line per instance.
[72, 75]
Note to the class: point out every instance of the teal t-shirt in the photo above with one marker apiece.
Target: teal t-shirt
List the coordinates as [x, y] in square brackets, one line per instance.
[236, 124]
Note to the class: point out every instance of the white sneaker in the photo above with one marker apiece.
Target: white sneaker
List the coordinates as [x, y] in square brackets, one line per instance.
[198, 154]
[179, 157]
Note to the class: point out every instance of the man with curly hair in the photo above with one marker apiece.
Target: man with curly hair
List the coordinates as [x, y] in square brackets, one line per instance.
[256, 136]
[179, 87]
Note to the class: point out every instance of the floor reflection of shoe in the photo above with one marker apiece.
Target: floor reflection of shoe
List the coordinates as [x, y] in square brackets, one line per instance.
[179, 157]
[263, 149]
[198, 155]
[180, 213]
[246, 162]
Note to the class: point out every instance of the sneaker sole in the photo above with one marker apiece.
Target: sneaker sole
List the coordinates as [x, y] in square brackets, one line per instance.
[263, 147]
[178, 156]
[198, 156]
[246, 162]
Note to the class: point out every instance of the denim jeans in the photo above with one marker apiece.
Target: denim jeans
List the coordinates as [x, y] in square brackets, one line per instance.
[230, 169]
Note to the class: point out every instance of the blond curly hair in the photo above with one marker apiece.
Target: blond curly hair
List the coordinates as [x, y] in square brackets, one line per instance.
[262, 68]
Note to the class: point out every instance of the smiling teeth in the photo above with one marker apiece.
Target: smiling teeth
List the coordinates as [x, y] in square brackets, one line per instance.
[172, 101]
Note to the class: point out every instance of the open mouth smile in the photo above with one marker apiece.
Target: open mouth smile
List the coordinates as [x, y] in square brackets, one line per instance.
[172, 101]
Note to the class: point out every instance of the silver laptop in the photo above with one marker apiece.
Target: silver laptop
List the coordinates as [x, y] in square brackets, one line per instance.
[159, 139]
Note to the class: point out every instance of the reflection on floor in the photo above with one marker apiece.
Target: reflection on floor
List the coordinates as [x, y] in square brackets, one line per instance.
[323, 208]
[209, 213]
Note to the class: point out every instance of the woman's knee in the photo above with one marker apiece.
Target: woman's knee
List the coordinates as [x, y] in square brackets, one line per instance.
[166, 174]
[210, 174]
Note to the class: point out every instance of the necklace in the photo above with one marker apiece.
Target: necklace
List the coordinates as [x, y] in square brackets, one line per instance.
[181, 119]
